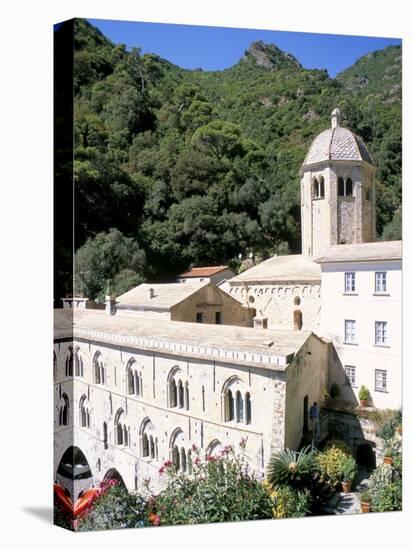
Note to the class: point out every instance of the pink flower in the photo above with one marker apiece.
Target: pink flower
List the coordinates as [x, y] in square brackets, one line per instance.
[162, 470]
[211, 458]
[197, 461]
[194, 448]
[156, 520]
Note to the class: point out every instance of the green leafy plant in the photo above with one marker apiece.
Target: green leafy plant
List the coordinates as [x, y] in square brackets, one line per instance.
[365, 496]
[220, 488]
[364, 394]
[349, 469]
[330, 462]
[387, 497]
[289, 502]
[291, 468]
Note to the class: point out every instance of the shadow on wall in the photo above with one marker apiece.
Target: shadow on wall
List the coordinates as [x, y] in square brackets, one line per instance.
[343, 421]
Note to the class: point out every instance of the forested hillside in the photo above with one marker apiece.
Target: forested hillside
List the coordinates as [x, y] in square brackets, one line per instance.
[176, 167]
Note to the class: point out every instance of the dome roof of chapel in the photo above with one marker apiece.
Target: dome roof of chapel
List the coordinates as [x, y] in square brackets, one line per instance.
[337, 143]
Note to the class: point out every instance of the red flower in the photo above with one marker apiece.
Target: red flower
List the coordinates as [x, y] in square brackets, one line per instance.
[156, 520]
[194, 448]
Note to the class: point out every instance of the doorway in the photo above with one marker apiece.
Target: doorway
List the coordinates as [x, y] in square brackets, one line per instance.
[305, 414]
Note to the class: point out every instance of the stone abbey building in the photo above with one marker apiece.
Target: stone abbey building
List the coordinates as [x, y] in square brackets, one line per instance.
[166, 367]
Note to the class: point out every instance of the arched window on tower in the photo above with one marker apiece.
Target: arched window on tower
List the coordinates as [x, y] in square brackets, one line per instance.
[297, 319]
[341, 187]
[321, 187]
[349, 188]
[315, 188]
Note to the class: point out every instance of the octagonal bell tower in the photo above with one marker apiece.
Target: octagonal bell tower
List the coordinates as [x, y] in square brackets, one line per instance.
[337, 190]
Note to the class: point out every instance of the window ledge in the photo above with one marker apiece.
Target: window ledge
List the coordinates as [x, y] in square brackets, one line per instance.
[381, 294]
[381, 346]
[381, 390]
[351, 343]
[350, 294]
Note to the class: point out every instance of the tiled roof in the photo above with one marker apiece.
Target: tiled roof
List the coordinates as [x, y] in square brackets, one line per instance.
[294, 267]
[204, 271]
[163, 296]
[337, 144]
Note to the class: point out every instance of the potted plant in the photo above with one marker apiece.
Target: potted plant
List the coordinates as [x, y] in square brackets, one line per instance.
[388, 454]
[365, 501]
[349, 471]
[364, 396]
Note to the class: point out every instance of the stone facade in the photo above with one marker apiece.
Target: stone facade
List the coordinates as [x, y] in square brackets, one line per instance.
[276, 396]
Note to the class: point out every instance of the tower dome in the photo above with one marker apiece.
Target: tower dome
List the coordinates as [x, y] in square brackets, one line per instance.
[337, 143]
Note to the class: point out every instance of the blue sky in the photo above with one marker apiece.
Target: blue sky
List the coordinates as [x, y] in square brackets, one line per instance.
[214, 48]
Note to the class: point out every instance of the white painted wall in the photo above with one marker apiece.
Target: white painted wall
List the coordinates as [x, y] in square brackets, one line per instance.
[365, 307]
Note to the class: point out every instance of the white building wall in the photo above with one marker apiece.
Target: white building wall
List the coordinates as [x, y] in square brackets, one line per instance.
[365, 307]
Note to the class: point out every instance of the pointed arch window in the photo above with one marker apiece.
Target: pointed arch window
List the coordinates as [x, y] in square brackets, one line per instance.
[149, 441]
[69, 362]
[78, 364]
[84, 412]
[99, 371]
[345, 187]
[178, 390]
[134, 380]
[64, 410]
[236, 402]
[121, 429]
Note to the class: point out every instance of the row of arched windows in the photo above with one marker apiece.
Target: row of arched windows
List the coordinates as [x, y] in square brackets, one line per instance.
[345, 188]
[238, 407]
[134, 379]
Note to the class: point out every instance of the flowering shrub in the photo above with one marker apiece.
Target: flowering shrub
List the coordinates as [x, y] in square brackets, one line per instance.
[330, 462]
[220, 488]
[115, 508]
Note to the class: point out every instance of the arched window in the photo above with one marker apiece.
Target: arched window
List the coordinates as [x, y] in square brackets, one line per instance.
[173, 393]
[120, 428]
[321, 187]
[84, 412]
[152, 447]
[130, 381]
[239, 407]
[178, 389]
[99, 370]
[133, 379]
[78, 363]
[176, 457]
[187, 395]
[148, 440]
[248, 408]
[180, 394]
[297, 319]
[341, 187]
[315, 189]
[214, 448]
[105, 437]
[229, 406]
[69, 363]
[145, 445]
[349, 187]
[183, 463]
[64, 411]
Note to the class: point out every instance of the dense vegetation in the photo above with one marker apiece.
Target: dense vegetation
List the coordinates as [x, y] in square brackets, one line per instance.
[193, 167]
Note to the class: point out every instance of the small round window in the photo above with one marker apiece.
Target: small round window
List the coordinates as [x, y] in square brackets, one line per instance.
[296, 301]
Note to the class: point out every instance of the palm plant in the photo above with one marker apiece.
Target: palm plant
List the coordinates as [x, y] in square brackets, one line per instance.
[291, 468]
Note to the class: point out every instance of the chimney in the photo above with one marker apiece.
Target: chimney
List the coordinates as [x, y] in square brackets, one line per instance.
[110, 302]
[151, 293]
[260, 322]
